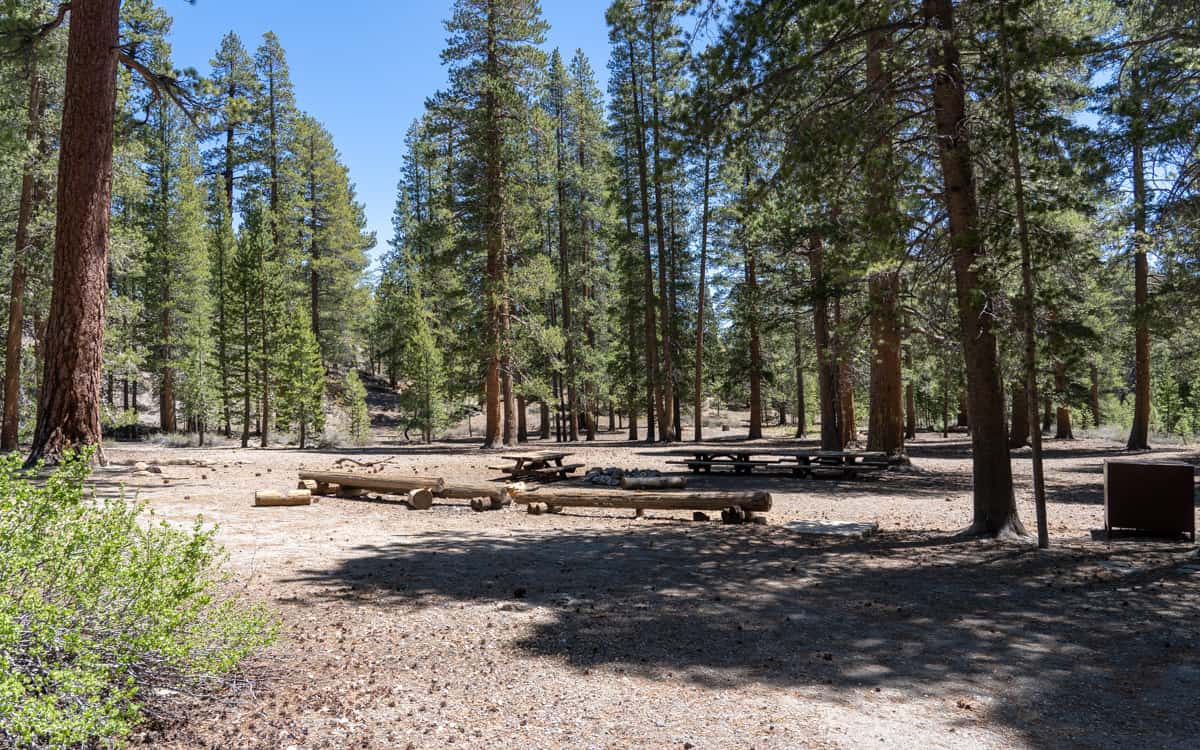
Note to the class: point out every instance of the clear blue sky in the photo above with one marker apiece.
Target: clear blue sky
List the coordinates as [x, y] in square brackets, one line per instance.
[364, 67]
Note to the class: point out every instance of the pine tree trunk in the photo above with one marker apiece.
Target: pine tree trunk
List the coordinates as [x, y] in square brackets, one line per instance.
[885, 423]
[494, 280]
[827, 369]
[69, 400]
[1047, 414]
[756, 368]
[246, 374]
[653, 395]
[631, 338]
[910, 411]
[1139, 433]
[1018, 435]
[16, 300]
[994, 506]
[886, 417]
[222, 332]
[564, 268]
[167, 419]
[314, 280]
[1063, 413]
[1095, 395]
[666, 426]
[698, 392]
[508, 395]
[848, 421]
[522, 427]
[798, 364]
[264, 364]
[910, 400]
[1029, 297]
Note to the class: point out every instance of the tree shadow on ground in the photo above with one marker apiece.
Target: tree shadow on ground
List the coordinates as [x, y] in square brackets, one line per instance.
[1085, 644]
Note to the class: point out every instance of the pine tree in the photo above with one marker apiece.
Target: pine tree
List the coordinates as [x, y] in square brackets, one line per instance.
[355, 395]
[299, 380]
[233, 93]
[244, 311]
[175, 267]
[421, 369]
[491, 52]
[333, 239]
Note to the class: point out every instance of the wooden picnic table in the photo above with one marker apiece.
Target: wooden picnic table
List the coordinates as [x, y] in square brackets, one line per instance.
[802, 462]
[546, 465]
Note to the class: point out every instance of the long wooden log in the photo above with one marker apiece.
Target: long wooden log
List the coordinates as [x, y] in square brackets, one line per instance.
[401, 485]
[468, 491]
[270, 498]
[389, 483]
[759, 502]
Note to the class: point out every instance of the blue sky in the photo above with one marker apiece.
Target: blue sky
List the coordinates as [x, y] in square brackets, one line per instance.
[364, 67]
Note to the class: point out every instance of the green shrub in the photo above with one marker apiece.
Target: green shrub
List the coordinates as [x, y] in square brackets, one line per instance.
[100, 606]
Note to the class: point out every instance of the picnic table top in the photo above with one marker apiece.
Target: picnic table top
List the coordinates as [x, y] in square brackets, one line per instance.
[752, 451]
[535, 456]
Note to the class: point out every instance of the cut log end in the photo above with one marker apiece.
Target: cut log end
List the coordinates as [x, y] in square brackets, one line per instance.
[421, 499]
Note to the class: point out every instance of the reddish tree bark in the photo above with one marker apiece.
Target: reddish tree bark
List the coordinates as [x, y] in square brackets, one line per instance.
[886, 416]
[885, 430]
[70, 395]
[994, 506]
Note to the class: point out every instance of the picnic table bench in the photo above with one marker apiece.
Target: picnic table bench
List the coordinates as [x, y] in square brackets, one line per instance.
[802, 463]
[540, 465]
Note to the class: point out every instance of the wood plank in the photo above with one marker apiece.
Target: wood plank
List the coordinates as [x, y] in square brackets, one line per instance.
[389, 483]
[642, 500]
[540, 456]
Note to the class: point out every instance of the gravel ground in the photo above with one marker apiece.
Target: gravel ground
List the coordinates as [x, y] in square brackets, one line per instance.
[449, 628]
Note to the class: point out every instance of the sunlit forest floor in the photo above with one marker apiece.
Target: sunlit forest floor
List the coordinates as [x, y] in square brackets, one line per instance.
[590, 629]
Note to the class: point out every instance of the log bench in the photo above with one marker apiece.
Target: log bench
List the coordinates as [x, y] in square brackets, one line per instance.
[744, 505]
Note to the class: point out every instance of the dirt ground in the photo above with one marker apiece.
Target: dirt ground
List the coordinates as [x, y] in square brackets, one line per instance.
[590, 629]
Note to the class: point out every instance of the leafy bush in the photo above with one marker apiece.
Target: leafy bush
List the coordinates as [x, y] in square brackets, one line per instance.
[100, 608]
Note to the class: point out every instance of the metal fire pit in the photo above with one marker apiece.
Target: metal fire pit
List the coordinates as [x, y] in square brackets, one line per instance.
[1153, 496]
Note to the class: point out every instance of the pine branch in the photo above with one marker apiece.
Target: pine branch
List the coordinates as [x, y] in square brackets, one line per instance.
[161, 84]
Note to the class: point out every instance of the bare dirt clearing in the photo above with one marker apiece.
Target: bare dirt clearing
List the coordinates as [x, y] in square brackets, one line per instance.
[590, 629]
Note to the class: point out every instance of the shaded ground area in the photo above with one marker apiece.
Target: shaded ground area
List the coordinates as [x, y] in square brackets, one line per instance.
[449, 628]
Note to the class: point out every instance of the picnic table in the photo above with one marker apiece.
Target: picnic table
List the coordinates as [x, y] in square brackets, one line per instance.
[802, 463]
[538, 465]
